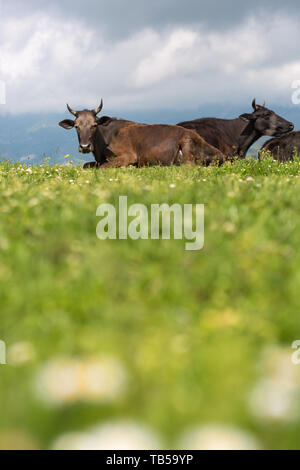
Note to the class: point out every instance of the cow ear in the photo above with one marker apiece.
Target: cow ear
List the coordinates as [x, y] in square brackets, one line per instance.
[67, 124]
[104, 121]
[247, 117]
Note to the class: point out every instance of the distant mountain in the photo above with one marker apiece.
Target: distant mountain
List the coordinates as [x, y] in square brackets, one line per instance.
[32, 137]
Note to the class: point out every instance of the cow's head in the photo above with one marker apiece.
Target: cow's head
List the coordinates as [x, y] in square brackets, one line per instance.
[263, 121]
[85, 123]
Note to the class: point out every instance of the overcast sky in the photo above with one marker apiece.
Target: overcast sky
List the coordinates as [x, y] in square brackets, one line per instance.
[139, 54]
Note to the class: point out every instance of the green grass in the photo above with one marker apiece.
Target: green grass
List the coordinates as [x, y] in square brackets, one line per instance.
[190, 328]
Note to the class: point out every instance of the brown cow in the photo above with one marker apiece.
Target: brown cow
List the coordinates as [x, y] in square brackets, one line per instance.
[144, 145]
[94, 134]
[117, 143]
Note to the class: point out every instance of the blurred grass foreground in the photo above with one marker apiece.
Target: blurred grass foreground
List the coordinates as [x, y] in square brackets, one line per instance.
[123, 344]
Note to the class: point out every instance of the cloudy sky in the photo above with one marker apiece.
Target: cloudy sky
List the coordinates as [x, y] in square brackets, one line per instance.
[137, 54]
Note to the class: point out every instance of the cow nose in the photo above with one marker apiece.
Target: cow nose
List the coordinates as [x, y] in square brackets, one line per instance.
[291, 126]
[84, 148]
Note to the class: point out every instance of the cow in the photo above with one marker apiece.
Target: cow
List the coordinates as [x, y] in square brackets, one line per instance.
[116, 143]
[235, 136]
[93, 132]
[283, 148]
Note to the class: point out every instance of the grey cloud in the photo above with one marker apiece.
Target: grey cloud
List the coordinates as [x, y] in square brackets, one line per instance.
[120, 18]
[146, 55]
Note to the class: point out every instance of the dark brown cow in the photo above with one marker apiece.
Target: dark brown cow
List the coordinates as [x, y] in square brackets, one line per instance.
[283, 148]
[235, 136]
[116, 143]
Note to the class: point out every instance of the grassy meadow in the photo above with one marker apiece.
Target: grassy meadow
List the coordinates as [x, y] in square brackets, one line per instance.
[140, 343]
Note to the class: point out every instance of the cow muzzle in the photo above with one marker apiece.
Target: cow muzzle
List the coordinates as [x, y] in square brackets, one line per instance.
[281, 130]
[85, 148]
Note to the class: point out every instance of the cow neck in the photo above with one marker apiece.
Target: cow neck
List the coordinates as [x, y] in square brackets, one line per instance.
[100, 145]
[247, 140]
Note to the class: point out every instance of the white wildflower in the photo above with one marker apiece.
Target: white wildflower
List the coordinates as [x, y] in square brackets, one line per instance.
[121, 435]
[69, 380]
[218, 437]
[274, 397]
[20, 353]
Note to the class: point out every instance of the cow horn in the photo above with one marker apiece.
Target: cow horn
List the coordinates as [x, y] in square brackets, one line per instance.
[97, 110]
[72, 111]
[263, 104]
[254, 105]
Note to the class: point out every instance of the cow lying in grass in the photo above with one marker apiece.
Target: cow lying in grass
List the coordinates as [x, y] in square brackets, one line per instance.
[116, 143]
[235, 136]
[283, 148]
